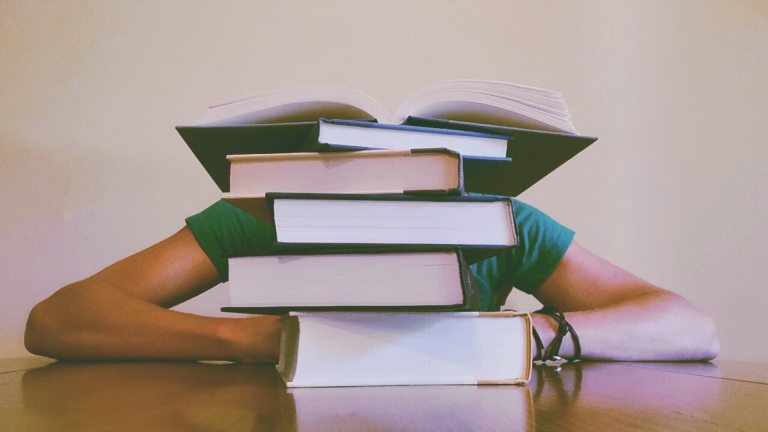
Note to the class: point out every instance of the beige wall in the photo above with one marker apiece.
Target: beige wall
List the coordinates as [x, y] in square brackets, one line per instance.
[675, 190]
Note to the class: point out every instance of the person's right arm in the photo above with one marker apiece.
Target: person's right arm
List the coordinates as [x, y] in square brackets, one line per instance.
[122, 313]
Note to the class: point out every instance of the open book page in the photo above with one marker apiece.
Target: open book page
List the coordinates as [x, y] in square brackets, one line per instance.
[307, 103]
[489, 102]
[546, 100]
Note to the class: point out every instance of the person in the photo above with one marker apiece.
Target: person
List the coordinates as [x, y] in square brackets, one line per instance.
[123, 311]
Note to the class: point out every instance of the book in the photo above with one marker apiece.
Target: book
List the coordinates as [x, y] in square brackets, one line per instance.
[368, 172]
[212, 144]
[360, 220]
[480, 101]
[436, 280]
[322, 349]
[533, 155]
[346, 135]
[281, 122]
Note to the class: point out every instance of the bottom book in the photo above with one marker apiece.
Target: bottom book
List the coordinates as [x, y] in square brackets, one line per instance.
[335, 349]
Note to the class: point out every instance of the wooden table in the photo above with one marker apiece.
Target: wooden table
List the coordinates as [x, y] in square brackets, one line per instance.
[37, 395]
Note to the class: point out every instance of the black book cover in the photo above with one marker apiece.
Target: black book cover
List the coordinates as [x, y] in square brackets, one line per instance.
[212, 144]
[533, 154]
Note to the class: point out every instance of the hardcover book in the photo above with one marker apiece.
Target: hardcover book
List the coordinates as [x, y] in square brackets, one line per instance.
[436, 280]
[330, 349]
[369, 172]
[346, 135]
[350, 220]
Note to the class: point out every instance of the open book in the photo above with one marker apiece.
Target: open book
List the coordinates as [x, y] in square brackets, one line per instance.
[534, 125]
[476, 101]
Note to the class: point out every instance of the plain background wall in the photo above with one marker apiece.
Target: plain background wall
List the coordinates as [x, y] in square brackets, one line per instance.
[675, 190]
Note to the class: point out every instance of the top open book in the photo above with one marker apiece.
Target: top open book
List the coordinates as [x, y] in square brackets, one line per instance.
[477, 101]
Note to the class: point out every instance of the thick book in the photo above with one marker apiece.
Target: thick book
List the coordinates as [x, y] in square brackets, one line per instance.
[346, 135]
[368, 172]
[434, 280]
[331, 349]
[360, 220]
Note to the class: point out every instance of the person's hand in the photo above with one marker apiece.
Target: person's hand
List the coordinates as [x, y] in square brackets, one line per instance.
[255, 339]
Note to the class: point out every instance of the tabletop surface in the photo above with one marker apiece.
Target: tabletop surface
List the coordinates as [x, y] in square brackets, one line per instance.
[37, 394]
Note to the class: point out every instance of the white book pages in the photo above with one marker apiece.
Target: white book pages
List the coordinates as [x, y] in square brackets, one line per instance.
[363, 349]
[374, 171]
[304, 103]
[397, 139]
[387, 279]
[394, 222]
[491, 102]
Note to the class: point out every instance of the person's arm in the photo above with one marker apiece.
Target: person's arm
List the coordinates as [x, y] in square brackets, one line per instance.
[121, 313]
[619, 316]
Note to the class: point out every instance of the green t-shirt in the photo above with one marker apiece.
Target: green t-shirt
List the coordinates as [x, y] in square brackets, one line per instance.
[224, 230]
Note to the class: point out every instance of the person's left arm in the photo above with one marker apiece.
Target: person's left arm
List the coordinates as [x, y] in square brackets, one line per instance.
[619, 316]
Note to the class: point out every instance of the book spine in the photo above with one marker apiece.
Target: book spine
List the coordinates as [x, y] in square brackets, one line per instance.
[272, 196]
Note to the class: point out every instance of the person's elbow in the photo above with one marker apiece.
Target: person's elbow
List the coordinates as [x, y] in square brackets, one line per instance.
[50, 324]
[710, 341]
[702, 338]
[39, 331]
[690, 332]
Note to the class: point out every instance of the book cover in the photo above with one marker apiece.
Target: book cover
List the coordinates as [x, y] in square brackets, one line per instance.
[533, 154]
[212, 144]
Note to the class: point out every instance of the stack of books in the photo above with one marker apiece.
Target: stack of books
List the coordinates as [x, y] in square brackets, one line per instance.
[377, 221]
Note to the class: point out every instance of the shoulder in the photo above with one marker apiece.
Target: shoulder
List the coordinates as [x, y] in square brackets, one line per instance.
[224, 230]
[543, 242]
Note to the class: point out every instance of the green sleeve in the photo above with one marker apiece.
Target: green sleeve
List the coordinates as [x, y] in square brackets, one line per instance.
[223, 230]
[542, 244]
